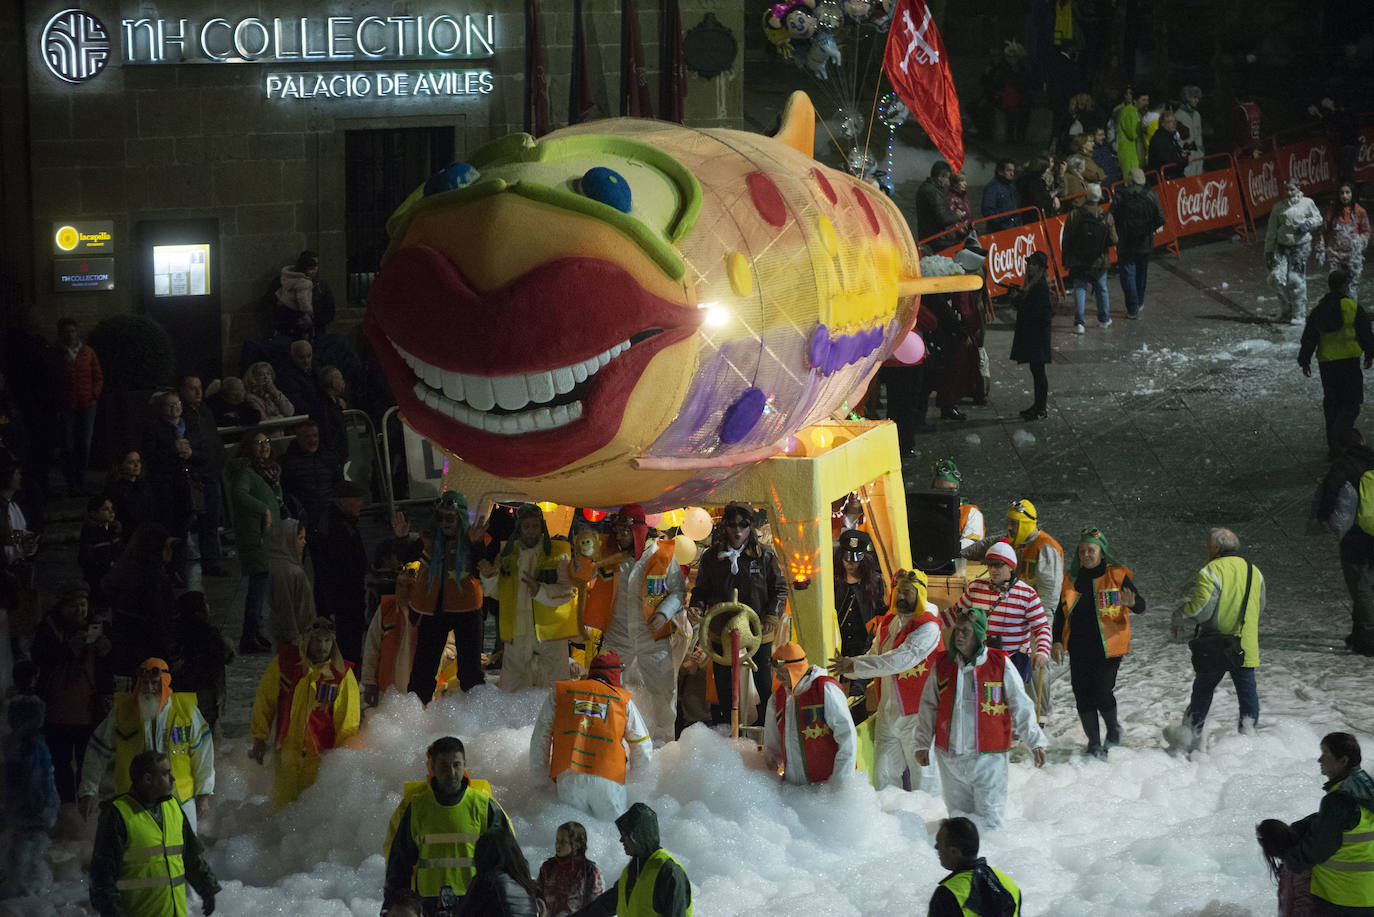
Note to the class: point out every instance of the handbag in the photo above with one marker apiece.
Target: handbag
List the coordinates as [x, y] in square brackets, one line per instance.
[1222, 652]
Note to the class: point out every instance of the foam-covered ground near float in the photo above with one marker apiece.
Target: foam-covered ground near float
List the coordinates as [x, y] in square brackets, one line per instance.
[1142, 833]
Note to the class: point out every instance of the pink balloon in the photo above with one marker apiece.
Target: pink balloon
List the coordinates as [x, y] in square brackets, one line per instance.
[912, 350]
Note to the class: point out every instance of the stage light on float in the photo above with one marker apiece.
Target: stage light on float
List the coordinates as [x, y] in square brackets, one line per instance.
[716, 316]
[593, 515]
[673, 518]
[546, 506]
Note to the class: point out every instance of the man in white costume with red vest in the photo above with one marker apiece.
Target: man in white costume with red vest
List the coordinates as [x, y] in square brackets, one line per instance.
[807, 729]
[971, 708]
[903, 652]
[585, 734]
[636, 607]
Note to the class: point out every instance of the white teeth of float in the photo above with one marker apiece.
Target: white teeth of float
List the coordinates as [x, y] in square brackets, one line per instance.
[468, 399]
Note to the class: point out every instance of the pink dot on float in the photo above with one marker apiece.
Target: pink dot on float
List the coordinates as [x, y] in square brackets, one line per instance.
[867, 208]
[828, 191]
[767, 199]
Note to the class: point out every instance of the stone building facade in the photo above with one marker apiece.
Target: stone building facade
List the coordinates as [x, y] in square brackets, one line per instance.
[273, 127]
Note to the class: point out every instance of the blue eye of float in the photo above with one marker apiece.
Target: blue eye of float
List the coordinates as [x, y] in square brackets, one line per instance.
[607, 187]
[457, 175]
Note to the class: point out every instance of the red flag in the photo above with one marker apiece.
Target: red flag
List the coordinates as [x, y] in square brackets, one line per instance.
[536, 77]
[634, 76]
[914, 61]
[579, 76]
[673, 63]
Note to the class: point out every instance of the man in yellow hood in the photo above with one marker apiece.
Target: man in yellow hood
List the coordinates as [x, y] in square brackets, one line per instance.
[311, 694]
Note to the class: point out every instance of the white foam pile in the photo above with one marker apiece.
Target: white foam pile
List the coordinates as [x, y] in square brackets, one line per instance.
[1143, 833]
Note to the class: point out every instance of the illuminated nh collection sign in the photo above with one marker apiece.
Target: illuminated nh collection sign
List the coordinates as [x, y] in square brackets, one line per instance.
[309, 38]
[76, 47]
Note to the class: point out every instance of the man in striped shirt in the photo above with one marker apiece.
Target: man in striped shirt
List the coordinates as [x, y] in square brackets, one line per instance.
[1015, 615]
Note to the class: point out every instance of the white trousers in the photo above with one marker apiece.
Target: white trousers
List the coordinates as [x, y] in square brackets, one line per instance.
[894, 751]
[650, 676]
[530, 663]
[974, 785]
[597, 796]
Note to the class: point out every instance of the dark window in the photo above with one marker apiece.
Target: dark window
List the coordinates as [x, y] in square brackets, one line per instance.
[383, 167]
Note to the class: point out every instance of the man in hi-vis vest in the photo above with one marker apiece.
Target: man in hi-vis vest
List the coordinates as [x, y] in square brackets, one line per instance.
[533, 584]
[1339, 333]
[586, 733]
[653, 883]
[145, 851]
[152, 718]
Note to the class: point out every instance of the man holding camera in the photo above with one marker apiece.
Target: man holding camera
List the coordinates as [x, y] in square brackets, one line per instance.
[1226, 605]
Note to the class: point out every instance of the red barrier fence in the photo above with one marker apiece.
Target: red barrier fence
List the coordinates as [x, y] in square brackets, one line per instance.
[1198, 203]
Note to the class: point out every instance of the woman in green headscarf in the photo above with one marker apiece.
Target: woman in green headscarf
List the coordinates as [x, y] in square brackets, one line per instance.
[1093, 622]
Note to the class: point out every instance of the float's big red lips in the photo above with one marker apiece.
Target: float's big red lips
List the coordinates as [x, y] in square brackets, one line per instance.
[551, 317]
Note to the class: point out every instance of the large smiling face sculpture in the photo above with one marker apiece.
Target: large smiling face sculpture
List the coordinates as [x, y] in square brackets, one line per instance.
[626, 310]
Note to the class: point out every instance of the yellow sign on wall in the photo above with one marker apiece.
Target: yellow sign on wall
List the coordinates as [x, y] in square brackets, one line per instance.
[94, 236]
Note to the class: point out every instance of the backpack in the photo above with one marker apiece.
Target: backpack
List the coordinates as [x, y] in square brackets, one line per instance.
[1136, 217]
[1364, 510]
[1085, 239]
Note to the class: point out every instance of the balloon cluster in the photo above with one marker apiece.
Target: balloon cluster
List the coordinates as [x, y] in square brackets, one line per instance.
[803, 31]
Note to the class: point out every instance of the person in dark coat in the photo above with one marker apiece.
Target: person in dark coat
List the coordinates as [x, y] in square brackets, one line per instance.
[102, 539]
[1000, 196]
[309, 475]
[1138, 216]
[1036, 187]
[205, 654]
[129, 491]
[1030, 342]
[503, 886]
[340, 561]
[1166, 154]
[231, 405]
[1337, 502]
[1338, 333]
[142, 601]
[736, 561]
[933, 211]
[208, 459]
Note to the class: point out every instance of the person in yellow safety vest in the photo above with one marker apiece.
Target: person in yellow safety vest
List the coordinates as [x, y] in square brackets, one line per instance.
[311, 694]
[1094, 624]
[152, 718]
[653, 883]
[433, 832]
[1338, 331]
[389, 647]
[585, 733]
[1338, 839]
[538, 614]
[971, 528]
[145, 852]
[972, 888]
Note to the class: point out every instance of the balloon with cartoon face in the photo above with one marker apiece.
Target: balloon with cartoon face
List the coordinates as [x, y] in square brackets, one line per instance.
[629, 310]
[801, 25]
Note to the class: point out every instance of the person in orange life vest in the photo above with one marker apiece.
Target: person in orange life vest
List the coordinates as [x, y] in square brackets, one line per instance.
[152, 718]
[636, 604]
[902, 655]
[389, 647]
[807, 729]
[736, 560]
[1015, 616]
[947, 477]
[447, 596]
[311, 694]
[532, 580]
[971, 709]
[1094, 624]
[584, 735]
[653, 883]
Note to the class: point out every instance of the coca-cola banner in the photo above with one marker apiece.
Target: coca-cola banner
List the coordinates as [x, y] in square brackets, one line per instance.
[1259, 183]
[1007, 252]
[1197, 203]
[1312, 163]
[1364, 160]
